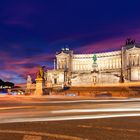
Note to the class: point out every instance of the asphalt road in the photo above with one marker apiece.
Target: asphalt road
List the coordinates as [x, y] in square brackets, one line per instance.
[70, 118]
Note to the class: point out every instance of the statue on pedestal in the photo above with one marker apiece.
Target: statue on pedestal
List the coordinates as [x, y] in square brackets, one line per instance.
[94, 58]
[40, 73]
[40, 81]
[29, 84]
[94, 65]
[95, 69]
[29, 79]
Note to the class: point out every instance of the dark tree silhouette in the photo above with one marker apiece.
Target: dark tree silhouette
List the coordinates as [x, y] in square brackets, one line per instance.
[2, 83]
[9, 84]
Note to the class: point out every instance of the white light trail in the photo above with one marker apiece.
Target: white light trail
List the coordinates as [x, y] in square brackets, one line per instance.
[96, 101]
[64, 118]
[96, 110]
[15, 107]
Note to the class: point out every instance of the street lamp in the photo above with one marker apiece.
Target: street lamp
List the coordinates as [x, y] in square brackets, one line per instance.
[65, 72]
[121, 76]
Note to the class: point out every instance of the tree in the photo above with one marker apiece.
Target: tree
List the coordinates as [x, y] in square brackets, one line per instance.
[9, 84]
[2, 83]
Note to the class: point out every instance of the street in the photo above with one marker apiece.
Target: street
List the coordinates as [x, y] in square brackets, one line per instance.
[73, 118]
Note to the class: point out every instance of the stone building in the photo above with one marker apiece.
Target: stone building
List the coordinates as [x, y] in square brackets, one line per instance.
[109, 67]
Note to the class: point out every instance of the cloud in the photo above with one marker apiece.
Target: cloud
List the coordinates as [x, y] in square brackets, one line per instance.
[109, 44]
[17, 69]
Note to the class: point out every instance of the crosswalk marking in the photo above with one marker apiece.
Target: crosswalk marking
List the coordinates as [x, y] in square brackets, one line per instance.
[31, 137]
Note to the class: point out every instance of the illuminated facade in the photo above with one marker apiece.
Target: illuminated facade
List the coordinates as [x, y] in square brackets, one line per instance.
[110, 67]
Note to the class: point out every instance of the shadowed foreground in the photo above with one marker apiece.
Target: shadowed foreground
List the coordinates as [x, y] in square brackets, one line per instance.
[98, 129]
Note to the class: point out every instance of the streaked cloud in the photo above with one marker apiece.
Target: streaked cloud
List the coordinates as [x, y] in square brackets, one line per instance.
[109, 44]
[17, 69]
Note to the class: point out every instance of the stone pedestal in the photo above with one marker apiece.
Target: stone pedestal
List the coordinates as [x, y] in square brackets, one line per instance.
[95, 73]
[28, 88]
[40, 83]
[95, 66]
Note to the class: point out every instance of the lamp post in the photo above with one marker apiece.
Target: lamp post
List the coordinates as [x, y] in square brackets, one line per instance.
[65, 73]
[54, 64]
[121, 76]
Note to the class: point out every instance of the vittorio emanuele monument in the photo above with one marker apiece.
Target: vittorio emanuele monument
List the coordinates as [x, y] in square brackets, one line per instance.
[91, 69]
[105, 67]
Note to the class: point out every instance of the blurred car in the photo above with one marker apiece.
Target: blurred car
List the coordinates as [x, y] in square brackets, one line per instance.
[16, 93]
[71, 94]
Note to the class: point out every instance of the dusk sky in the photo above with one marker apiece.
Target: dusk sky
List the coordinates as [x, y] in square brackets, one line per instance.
[31, 31]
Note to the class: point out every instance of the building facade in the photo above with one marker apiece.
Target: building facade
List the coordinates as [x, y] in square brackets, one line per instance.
[100, 68]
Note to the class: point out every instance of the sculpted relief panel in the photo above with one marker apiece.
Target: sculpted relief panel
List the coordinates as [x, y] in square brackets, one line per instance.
[97, 78]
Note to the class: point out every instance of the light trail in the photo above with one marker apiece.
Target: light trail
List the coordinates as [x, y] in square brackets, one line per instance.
[96, 101]
[64, 118]
[16, 107]
[96, 110]
[127, 108]
[84, 101]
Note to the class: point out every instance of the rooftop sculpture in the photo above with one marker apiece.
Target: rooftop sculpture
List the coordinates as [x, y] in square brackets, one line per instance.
[129, 41]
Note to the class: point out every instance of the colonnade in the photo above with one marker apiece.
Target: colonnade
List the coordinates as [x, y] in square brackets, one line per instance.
[133, 60]
[103, 63]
